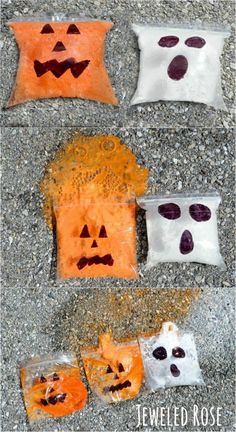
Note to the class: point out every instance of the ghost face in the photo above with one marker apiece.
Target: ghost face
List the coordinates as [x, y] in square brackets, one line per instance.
[170, 359]
[182, 229]
[96, 240]
[178, 64]
[61, 59]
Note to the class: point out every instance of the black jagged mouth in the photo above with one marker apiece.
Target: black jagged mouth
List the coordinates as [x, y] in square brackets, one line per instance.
[117, 387]
[96, 259]
[59, 68]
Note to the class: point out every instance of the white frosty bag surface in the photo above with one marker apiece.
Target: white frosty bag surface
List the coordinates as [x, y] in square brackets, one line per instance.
[179, 64]
[182, 228]
[170, 359]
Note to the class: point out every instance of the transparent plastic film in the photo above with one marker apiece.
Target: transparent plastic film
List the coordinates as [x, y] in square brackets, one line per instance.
[114, 370]
[89, 194]
[60, 57]
[96, 240]
[180, 64]
[52, 386]
[182, 228]
[170, 359]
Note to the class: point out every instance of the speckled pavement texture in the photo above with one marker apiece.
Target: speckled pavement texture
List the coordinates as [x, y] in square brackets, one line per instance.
[41, 314]
[122, 60]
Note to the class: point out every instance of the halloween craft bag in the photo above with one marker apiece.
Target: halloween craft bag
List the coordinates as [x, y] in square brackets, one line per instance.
[170, 359]
[114, 370]
[61, 56]
[52, 386]
[180, 63]
[182, 228]
[89, 192]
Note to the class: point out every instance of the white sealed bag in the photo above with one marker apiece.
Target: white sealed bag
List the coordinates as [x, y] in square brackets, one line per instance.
[170, 359]
[179, 64]
[182, 228]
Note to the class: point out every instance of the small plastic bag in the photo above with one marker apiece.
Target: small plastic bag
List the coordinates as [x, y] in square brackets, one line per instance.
[180, 64]
[182, 228]
[52, 386]
[61, 56]
[96, 240]
[89, 194]
[114, 371]
[170, 359]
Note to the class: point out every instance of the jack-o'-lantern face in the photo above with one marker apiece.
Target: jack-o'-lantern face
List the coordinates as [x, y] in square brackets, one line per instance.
[96, 240]
[89, 194]
[58, 68]
[94, 259]
[114, 371]
[61, 59]
[56, 394]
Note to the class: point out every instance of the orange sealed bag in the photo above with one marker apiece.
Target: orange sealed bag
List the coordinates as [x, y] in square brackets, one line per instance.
[61, 56]
[89, 193]
[52, 386]
[114, 371]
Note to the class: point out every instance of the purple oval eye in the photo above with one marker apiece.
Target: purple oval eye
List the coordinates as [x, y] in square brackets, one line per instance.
[200, 212]
[169, 211]
[168, 41]
[160, 353]
[195, 42]
[178, 352]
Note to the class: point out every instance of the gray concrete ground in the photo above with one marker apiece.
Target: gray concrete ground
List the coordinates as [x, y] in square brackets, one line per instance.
[122, 60]
[40, 314]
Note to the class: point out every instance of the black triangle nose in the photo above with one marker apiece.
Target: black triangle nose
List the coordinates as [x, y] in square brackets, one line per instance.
[59, 47]
[94, 244]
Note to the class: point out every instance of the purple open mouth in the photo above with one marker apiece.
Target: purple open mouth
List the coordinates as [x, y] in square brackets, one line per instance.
[174, 370]
[117, 387]
[177, 67]
[96, 259]
[186, 243]
[59, 68]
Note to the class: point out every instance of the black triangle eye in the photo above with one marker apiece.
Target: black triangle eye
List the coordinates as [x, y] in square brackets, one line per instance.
[73, 29]
[103, 233]
[85, 232]
[121, 368]
[47, 29]
[109, 369]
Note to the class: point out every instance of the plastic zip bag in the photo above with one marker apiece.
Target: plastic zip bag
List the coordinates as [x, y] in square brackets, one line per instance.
[52, 386]
[96, 239]
[170, 359]
[182, 228]
[61, 56]
[114, 370]
[180, 63]
[89, 195]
